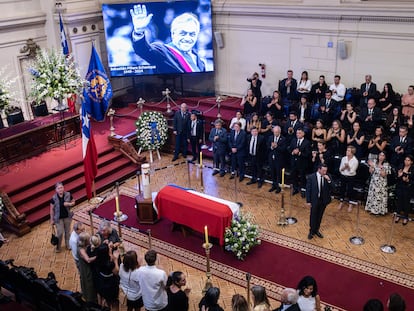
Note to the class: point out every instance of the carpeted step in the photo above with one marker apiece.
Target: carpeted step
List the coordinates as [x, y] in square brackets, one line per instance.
[47, 185]
[103, 181]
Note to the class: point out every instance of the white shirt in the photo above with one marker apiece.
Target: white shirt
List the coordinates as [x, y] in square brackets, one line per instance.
[340, 92]
[153, 282]
[73, 243]
[129, 283]
[241, 120]
[353, 166]
[304, 85]
[307, 303]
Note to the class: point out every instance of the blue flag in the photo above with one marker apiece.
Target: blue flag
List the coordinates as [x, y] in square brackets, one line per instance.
[63, 40]
[98, 93]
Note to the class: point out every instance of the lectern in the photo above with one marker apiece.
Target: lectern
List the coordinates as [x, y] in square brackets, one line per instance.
[145, 211]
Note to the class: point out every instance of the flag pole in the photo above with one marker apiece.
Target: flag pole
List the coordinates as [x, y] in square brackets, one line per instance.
[95, 199]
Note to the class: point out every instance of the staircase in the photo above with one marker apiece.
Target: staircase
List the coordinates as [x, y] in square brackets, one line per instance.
[33, 199]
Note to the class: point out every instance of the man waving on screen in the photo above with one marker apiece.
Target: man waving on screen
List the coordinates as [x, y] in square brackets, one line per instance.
[176, 56]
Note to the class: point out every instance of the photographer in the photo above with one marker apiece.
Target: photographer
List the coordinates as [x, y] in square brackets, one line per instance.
[255, 85]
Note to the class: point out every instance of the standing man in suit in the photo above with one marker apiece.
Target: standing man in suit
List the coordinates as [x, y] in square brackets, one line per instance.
[370, 116]
[276, 145]
[180, 125]
[195, 135]
[300, 151]
[218, 136]
[400, 146]
[331, 107]
[257, 151]
[367, 90]
[237, 144]
[318, 196]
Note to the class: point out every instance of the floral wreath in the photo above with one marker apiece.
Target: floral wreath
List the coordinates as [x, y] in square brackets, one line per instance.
[241, 236]
[152, 130]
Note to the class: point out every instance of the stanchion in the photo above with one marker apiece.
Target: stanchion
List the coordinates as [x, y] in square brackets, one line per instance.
[389, 248]
[248, 277]
[201, 177]
[149, 239]
[291, 220]
[357, 240]
[188, 173]
[91, 221]
[138, 185]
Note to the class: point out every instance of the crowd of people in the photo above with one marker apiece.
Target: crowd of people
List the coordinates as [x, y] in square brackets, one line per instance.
[360, 134]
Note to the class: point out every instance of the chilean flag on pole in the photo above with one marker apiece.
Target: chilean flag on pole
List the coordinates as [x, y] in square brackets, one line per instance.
[63, 41]
[90, 155]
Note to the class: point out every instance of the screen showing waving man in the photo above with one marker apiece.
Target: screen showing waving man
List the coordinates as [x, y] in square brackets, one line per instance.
[177, 56]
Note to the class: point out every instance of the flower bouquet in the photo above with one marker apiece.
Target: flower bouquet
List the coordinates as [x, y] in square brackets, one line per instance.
[241, 236]
[152, 130]
[6, 94]
[54, 75]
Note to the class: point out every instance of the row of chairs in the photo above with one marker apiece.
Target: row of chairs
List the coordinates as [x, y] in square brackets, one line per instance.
[41, 294]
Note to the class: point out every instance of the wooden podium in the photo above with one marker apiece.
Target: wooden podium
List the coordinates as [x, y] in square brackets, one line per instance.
[145, 211]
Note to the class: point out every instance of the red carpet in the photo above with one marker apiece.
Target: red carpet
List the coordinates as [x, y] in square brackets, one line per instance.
[339, 286]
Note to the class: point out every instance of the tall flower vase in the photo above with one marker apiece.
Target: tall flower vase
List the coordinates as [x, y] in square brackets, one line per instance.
[60, 105]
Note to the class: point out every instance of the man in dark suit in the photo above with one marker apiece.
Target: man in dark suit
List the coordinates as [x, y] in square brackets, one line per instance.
[291, 126]
[287, 89]
[237, 144]
[331, 107]
[400, 146]
[367, 90]
[195, 135]
[257, 150]
[370, 116]
[276, 145]
[218, 136]
[318, 196]
[180, 125]
[289, 300]
[300, 151]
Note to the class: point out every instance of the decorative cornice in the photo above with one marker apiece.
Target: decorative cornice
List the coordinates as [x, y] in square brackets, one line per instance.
[35, 20]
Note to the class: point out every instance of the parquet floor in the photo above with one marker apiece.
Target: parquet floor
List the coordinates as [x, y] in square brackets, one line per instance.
[338, 226]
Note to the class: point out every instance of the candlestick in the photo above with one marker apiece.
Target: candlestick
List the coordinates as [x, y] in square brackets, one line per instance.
[283, 178]
[201, 159]
[206, 234]
[117, 205]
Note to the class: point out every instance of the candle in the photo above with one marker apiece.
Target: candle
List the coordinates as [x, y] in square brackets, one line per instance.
[206, 234]
[283, 178]
[201, 159]
[117, 205]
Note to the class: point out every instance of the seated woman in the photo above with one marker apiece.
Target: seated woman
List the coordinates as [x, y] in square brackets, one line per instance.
[254, 122]
[304, 110]
[348, 169]
[177, 298]
[356, 138]
[276, 106]
[249, 104]
[260, 300]
[377, 200]
[309, 299]
[319, 133]
[377, 143]
[238, 118]
[304, 84]
[336, 138]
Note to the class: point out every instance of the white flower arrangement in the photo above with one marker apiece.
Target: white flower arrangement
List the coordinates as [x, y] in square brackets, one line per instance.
[6, 94]
[152, 130]
[241, 236]
[54, 75]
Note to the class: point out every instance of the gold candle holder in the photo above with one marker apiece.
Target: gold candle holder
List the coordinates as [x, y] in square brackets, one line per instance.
[207, 247]
[282, 218]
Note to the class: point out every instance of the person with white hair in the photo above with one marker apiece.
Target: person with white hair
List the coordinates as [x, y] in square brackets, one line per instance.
[178, 56]
[109, 235]
[289, 299]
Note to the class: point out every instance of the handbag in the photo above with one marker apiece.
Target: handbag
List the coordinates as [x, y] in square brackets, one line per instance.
[54, 240]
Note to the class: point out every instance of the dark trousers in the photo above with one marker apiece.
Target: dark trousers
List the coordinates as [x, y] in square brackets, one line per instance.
[237, 160]
[404, 194]
[195, 146]
[275, 172]
[257, 171]
[219, 158]
[347, 187]
[298, 173]
[181, 144]
[316, 215]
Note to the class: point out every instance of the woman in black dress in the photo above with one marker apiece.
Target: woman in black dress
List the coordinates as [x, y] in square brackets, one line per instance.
[393, 122]
[405, 182]
[177, 298]
[336, 139]
[387, 99]
[377, 143]
[249, 104]
[356, 138]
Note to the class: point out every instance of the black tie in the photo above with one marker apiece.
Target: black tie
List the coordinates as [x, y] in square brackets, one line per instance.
[298, 143]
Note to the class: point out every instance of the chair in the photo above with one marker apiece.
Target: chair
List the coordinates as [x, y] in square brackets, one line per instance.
[68, 303]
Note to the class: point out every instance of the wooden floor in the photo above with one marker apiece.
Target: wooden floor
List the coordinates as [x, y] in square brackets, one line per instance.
[338, 226]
